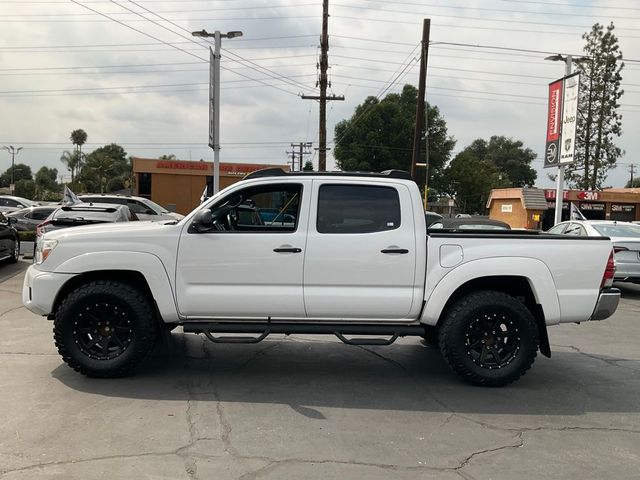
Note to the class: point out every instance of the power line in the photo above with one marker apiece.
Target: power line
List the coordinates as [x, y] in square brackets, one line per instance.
[472, 27]
[502, 10]
[262, 70]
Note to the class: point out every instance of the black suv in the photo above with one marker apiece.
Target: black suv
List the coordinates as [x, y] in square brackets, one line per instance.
[9, 240]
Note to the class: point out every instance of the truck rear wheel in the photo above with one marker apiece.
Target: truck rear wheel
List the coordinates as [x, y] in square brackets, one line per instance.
[105, 328]
[489, 338]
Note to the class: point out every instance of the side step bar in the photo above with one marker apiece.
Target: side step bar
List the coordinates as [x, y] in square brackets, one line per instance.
[263, 330]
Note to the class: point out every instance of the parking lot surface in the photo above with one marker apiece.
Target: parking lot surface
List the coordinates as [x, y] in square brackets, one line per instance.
[310, 407]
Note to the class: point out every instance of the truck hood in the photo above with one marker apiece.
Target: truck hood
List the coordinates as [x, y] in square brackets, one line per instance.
[120, 231]
[159, 239]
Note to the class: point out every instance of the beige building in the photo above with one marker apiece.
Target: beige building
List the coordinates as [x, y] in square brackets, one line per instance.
[525, 207]
[178, 184]
[519, 207]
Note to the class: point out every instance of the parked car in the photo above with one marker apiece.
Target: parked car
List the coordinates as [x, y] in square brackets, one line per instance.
[358, 262]
[29, 218]
[82, 214]
[432, 217]
[9, 203]
[469, 223]
[625, 237]
[9, 240]
[144, 208]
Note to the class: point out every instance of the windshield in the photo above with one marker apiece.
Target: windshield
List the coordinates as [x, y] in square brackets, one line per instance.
[617, 230]
[155, 206]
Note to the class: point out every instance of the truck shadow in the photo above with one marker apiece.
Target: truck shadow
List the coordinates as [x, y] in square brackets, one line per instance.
[319, 372]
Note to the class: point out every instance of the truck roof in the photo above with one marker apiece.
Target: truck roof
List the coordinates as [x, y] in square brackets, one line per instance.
[278, 172]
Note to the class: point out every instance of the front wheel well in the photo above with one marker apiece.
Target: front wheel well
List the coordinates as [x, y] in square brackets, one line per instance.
[514, 286]
[130, 277]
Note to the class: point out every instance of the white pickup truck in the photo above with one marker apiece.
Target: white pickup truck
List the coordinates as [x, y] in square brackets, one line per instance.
[320, 253]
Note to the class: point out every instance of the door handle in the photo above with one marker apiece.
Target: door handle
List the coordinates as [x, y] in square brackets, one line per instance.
[287, 250]
[394, 250]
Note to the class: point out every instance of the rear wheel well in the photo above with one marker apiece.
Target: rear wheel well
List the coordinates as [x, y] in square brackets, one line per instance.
[514, 286]
[130, 277]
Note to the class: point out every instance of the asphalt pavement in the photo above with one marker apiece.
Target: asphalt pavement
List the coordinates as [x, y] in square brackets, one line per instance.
[310, 407]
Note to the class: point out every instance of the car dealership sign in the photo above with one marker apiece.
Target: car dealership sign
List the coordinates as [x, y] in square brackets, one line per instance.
[562, 115]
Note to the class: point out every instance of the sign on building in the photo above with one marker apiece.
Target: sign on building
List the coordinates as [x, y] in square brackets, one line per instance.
[562, 115]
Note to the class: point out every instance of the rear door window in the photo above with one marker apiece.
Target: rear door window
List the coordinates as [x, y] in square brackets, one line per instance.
[348, 209]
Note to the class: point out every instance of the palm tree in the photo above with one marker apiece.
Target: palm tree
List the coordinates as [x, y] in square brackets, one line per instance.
[78, 138]
[72, 161]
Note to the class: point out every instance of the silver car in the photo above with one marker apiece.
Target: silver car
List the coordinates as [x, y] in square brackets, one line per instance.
[625, 237]
[9, 203]
[144, 208]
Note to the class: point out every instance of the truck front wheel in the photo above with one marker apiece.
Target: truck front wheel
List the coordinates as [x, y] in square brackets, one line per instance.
[105, 328]
[489, 338]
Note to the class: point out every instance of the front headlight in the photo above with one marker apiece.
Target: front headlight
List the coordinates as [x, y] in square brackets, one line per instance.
[43, 249]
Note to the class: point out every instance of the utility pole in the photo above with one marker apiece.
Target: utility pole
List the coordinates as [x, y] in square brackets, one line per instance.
[214, 98]
[302, 151]
[631, 167]
[324, 65]
[420, 115]
[13, 151]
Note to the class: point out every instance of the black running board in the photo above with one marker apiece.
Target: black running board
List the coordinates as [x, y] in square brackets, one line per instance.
[263, 330]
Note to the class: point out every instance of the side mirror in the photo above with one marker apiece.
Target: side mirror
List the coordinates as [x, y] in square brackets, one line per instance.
[12, 220]
[203, 220]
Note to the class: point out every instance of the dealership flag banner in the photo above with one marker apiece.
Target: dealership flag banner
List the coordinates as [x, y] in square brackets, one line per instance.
[562, 115]
[70, 198]
[571, 90]
[554, 119]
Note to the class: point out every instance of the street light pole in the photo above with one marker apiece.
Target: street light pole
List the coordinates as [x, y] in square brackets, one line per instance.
[214, 99]
[13, 151]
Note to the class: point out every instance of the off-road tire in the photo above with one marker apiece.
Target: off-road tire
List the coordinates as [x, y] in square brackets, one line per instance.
[137, 313]
[461, 322]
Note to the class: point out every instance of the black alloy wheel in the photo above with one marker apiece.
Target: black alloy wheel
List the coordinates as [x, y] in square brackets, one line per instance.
[103, 330]
[492, 341]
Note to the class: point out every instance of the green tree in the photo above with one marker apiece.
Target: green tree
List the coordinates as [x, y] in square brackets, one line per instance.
[78, 138]
[510, 158]
[634, 184]
[25, 188]
[72, 161]
[46, 181]
[107, 168]
[98, 171]
[21, 172]
[308, 166]
[379, 136]
[167, 157]
[599, 122]
[469, 179]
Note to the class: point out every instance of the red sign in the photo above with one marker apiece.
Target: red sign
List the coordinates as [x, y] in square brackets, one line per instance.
[182, 165]
[554, 124]
[589, 195]
[551, 194]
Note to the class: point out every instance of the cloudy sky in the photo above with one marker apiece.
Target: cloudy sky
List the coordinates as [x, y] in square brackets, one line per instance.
[140, 79]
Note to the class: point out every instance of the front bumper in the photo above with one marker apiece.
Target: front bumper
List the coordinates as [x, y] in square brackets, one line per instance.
[607, 304]
[40, 289]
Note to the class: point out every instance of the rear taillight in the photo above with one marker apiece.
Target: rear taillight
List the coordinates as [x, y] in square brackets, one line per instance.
[609, 272]
[620, 249]
[39, 228]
